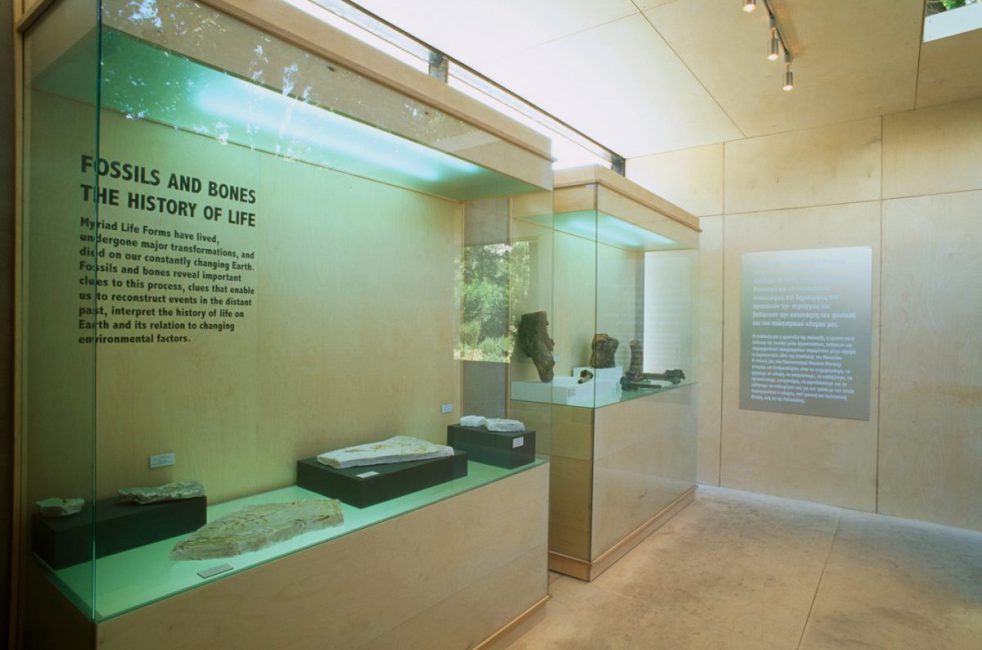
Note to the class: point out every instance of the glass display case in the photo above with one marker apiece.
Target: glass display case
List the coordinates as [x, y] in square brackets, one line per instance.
[610, 348]
[244, 243]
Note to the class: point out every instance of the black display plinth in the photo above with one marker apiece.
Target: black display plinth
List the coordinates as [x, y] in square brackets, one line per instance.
[498, 448]
[64, 541]
[370, 484]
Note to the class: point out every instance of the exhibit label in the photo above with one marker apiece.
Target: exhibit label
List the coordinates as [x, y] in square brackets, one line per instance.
[165, 261]
[806, 332]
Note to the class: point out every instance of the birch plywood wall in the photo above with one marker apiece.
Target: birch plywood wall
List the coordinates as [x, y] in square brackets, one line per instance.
[908, 185]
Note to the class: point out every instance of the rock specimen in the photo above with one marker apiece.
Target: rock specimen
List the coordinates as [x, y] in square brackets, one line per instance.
[166, 492]
[585, 376]
[256, 527]
[604, 347]
[500, 424]
[635, 369]
[473, 421]
[58, 507]
[396, 449]
[532, 340]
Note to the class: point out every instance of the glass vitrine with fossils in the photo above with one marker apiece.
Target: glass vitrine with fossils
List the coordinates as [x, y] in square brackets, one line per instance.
[609, 345]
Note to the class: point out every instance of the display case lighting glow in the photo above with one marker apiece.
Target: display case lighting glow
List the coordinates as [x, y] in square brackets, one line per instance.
[253, 107]
[610, 230]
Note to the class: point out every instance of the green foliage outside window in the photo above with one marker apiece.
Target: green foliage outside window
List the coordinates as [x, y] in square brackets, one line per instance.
[494, 278]
[938, 6]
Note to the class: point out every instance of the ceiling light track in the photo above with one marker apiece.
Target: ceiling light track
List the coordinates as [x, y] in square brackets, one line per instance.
[777, 43]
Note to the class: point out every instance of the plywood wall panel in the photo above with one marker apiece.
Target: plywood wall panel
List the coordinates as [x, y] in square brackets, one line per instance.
[691, 178]
[931, 369]
[709, 348]
[828, 460]
[822, 166]
[933, 151]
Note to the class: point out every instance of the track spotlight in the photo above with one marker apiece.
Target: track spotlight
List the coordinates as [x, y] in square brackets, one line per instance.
[777, 44]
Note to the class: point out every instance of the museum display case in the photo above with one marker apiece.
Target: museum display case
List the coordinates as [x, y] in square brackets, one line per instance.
[243, 247]
[609, 346]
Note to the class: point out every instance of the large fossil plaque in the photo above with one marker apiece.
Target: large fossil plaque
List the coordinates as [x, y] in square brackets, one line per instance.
[256, 527]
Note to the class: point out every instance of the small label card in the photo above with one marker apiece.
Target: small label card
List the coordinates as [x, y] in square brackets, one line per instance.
[215, 570]
[367, 474]
[517, 442]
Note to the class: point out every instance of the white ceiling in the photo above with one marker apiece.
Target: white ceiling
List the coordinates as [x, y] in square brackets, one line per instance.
[648, 76]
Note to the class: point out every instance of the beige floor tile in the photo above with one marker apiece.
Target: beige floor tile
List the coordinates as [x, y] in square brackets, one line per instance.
[730, 571]
[582, 617]
[895, 583]
[736, 570]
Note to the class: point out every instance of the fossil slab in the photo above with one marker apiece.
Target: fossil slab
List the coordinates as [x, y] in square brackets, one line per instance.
[166, 492]
[473, 421]
[500, 424]
[58, 507]
[256, 527]
[396, 449]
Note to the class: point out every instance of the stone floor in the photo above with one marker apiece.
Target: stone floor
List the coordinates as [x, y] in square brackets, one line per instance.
[739, 570]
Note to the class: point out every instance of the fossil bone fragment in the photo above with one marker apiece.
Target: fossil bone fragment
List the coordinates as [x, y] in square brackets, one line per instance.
[255, 527]
[166, 492]
[634, 370]
[674, 376]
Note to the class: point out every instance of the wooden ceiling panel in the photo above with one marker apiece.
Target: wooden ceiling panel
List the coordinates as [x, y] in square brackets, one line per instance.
[620, 83]
[852, 59]
[473, 31]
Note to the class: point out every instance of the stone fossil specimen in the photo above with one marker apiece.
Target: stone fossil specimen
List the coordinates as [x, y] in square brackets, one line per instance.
[396, 449]
[604, 347]
[58, 507]
[635, 369]
[166, 492]
[532, 340]
[256, 527]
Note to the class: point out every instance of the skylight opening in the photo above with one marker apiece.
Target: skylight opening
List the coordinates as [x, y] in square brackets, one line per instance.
[570, 147]
[946, 18]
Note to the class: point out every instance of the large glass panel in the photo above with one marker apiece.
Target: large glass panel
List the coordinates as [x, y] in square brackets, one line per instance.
[620, 394]
[623, 295]
[63, 274]
[256, 257]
